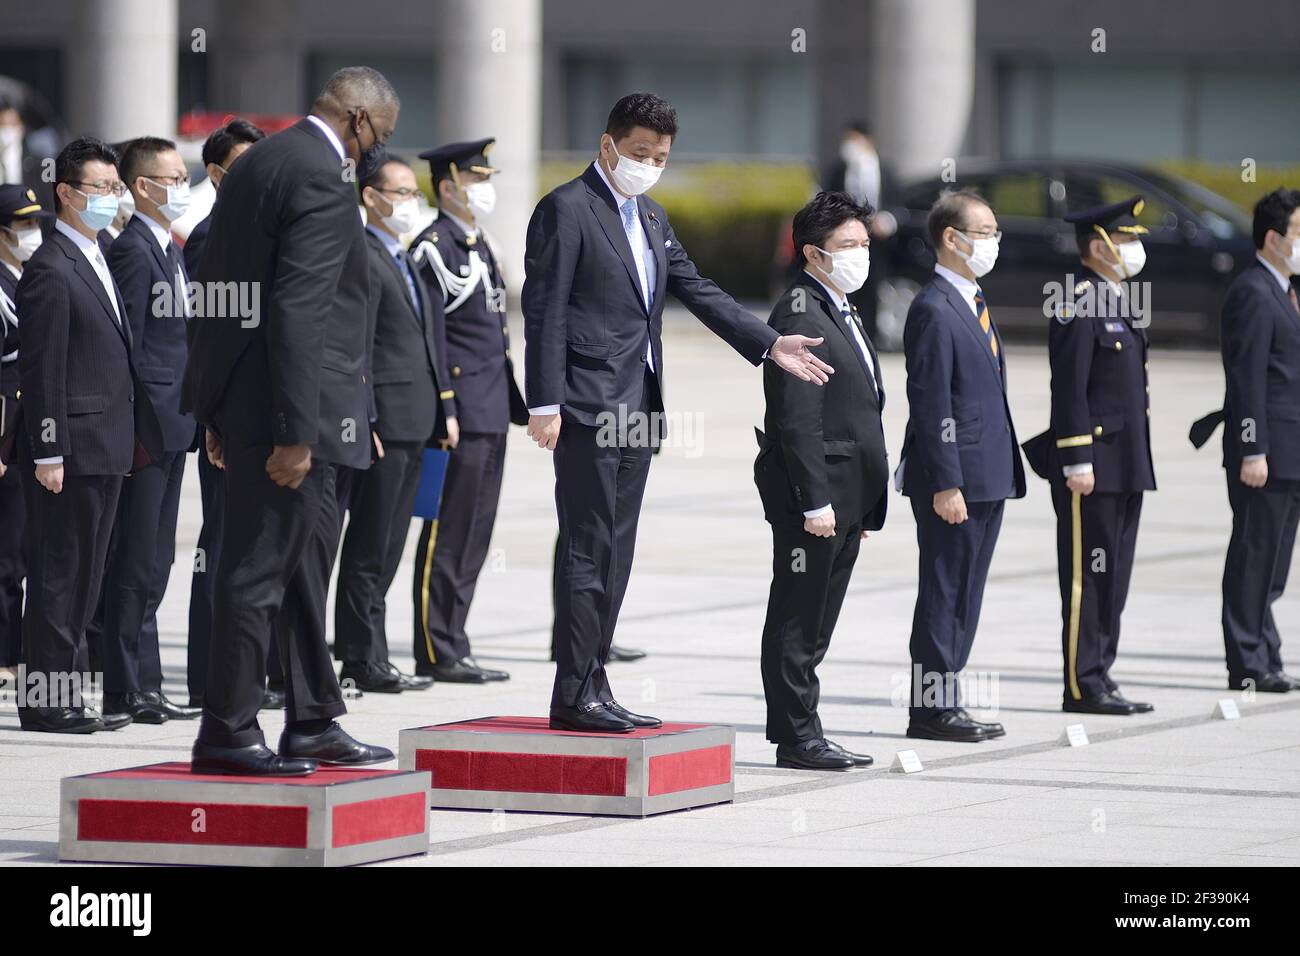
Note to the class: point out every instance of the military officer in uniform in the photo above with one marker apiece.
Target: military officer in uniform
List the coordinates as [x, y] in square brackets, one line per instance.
[457, 263]
[1097, 452]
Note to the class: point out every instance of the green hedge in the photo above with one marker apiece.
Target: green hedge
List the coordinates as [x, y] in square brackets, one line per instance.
[1225, 179]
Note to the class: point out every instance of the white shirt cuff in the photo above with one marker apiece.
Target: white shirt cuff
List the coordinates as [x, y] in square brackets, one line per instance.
[1072, 470]
[1252, 457]
[56, 460]
[817, 512]
[545, 410]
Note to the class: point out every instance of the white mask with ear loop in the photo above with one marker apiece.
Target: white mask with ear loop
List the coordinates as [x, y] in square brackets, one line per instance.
[29, 240]
[1293, 260]
[983, 255]
[1132, 257]
[633, 178]
[849, 268]
[404, 216]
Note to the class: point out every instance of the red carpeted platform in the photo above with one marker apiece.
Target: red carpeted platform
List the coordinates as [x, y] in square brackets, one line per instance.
[519, 763]
[162, 813]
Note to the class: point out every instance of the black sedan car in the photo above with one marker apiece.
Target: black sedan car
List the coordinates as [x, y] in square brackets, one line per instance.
[1198, 241]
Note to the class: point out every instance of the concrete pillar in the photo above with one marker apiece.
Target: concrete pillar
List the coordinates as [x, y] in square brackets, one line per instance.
[256, 58]
[489, 83]
[121, 69]
[922, 57]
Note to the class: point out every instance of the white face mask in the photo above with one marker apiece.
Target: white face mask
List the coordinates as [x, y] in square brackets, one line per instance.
[404, 216]
[29, 240]
[1293, 260]
[482, 198]
[1132, 257]
[633, 178]
[849, 268]
[178, 201]
[983, 255]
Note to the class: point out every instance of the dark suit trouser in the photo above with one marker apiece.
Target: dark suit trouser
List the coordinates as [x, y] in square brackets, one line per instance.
[66, 544]
[810, 576]
[1096, 536]
[212, 488]
[954, 565]
[135, 580]
[598, 492]
[1255, 572]
[277, 549]
[12, 566]
[451, 551]
[379, 517]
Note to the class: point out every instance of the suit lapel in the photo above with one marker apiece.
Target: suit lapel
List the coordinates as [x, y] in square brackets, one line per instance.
[1284, 300]
[606, 212]
[838, 321]
[395, 268]
[655, 239]
[972, 324]
[82, 267]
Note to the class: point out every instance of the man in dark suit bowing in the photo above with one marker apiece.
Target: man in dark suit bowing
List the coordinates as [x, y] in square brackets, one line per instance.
[147, 268]
[960, 460]
[1260, 340]
[86, 423]
[600, 259]
[412, 410]
[822, 473]
[285, 400]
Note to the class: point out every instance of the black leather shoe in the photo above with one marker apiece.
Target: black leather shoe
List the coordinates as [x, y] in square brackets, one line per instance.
[408, 681]
[255, 760]
[623, 655]
[859, 760]
[333, 746]
[593, 718]
[1108, 704]
[948, 725]
[812, 755]
[134, 706]
[173, 710]
[59, 720]
[1138, 706]
[272, 699]
[371, 678]
[1293, 681]
[636, 720]
[110, 721]
[992, 728]
[463, 671]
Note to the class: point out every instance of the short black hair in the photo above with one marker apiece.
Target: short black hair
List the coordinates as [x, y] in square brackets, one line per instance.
[641, 109]
[217, 147]
[71, 162]
[1274, 212]
[950, 210]
[377, 175]
[138, 154]
[825, 213]
[858, 126]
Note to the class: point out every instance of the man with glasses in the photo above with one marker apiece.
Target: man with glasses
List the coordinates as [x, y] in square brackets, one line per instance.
[86, 424]
[147, 267]
[285, 399]
[960, 460]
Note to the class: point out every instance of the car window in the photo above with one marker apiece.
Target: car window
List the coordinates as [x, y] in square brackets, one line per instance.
[1085, 190]
[1018, 194]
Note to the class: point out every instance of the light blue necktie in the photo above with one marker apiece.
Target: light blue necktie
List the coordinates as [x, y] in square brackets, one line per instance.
[628, 209]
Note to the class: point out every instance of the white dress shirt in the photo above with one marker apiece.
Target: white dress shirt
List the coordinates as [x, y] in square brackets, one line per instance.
[329, 135]
[965, 286]
[163, 235]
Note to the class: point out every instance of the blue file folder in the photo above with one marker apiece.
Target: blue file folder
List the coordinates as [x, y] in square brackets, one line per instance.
[428, 497]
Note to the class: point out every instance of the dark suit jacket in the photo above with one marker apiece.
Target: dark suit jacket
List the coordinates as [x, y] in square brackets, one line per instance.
[585, 323]
[194, 243]
[959, 430]
[80, 395]
[8, 338]
[1260, 339]
[406, 359]
[822, 444]
[286, 222]
[158, 327]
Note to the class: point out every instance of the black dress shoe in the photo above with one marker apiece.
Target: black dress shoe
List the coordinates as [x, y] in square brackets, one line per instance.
[623, 655]
[859, 760]
[948, 725]
[812, 755]
[134, 706]
[593, 718]
[255, 760]
[463, 671]
[371, 678]
[173, 710]
[1108, 704]
[272, 699]
[1138, 706]
[59, 720]
[1293, 681]
[636, 720]
[332, 746]
[1266, 684]
[992, 728]
[409, 682]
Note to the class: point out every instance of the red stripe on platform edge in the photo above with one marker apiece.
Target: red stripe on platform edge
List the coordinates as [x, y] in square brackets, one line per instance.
[690, 770]
[525, 773]
[542, 725]
[368, 821]
[180, 772]
[224, 824]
